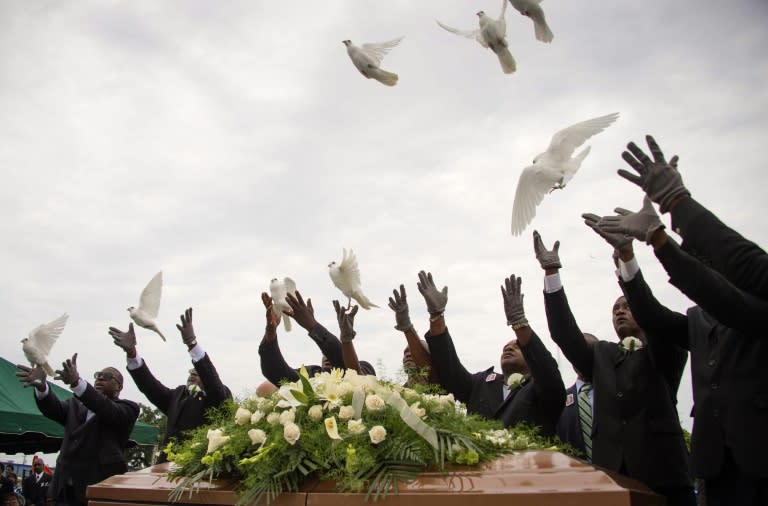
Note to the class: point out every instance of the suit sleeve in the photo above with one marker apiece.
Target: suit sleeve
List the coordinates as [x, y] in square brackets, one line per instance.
[717, 296]
[216, 391]
[118, 414]
[329, 345]
[547, 381]
[454, 378]
[566, 333]
[157, 393]
[651, 315]
[51, 407]
[739, 260]
[273, 365]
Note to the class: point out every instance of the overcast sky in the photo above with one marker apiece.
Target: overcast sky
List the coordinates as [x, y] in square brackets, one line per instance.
[227, 143]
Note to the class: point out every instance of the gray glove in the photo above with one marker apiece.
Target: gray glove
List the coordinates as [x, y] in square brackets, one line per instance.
[618, 241]
[346, 321]
[31, 377]
[548, 259]
[68, 373]
[640, 225]
[400, 307]
[513, 302]
[125, 340]
[187, 330]
[436, 299]
[659, 180]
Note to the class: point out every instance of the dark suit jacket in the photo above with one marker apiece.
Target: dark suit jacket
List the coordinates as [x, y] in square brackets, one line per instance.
[276, 370]
[741, 261]
[729, 376]
[569, 425]
[538, 402]
[35, 492]
[184, 412]
[92, 450]
[635, 426]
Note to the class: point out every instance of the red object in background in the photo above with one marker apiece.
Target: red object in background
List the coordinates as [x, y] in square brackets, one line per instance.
[46, 469]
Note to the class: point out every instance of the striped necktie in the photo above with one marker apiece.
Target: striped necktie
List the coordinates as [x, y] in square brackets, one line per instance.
[585, 417]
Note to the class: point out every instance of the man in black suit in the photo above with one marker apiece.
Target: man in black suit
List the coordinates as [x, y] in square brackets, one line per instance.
[185, 405]
[569, 425]
[728, 357]
[273, 365]
[635, 428]
[705, 237]
[529, 389]
[35, 485]
[97, 424]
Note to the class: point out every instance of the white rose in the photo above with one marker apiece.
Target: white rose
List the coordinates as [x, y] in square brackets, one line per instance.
[631, 343]
[514, 380]
[242, 416]
[257, 436]
[346, 412]
[416, 410]
[273, 418]
[256, 416]
[377, 434]
[374, 403]
[287, 416]
[315, 412]
[355, 426]
[291, 433]
[216, 439]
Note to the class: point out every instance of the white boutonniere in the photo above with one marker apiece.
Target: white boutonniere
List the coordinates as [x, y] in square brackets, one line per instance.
[515, 380]
[631, 343]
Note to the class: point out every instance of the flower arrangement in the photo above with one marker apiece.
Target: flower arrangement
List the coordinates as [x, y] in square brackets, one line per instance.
[363, 433]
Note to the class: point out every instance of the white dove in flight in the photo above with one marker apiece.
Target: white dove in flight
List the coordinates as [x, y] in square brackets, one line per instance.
[346, 277]
[367, 59]
[38, 345]
[490, 35]
[554, 168]
[278, 290]
[533, 10]
[149, 305]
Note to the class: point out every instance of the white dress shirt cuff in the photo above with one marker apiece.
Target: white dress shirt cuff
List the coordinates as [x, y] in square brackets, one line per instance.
[79, 389]
[552, 283]
[628, 270]
[135, 362]
[39, 394]
[197, 353]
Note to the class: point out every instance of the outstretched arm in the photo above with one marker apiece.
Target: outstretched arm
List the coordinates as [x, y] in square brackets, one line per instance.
[422, 360]
[347, 334]
[304, 314]
[273, 365]
[216, 391]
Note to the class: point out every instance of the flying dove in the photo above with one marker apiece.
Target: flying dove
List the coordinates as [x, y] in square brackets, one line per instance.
[149, 305]
[346, 277]
[38, 345]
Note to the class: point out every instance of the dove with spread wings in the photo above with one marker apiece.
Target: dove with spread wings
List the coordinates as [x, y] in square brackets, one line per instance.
[38, 345]
[346, 277]
[367, 59]
[149, 305]
[554, 168]
[490, 35]
[278, 290]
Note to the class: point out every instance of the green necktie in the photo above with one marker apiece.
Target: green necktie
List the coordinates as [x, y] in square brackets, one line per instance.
[585, 417]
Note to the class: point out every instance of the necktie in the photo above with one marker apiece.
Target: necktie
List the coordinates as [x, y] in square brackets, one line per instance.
[585, 417]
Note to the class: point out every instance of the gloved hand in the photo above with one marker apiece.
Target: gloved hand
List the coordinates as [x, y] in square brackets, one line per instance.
[640, 225]
[68, 373]
[186, 329]
[125, 340]
[548, 259]
[31, 377]
[618, 241]
[513, 302]
[659, 180]
[304, 314]
[346, 321]
[436, 299]
[399, 305]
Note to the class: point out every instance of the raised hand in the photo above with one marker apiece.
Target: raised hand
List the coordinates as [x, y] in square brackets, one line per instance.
[68, 373]
[640, 225]
[660, 180]
[618, 241]
[436, 299]
[272, 319]
[187, 330]
[548, 259]
[124, 340]
[31, 377]
[304, 314]
[513, 302]
[398, 304]
[346, 321]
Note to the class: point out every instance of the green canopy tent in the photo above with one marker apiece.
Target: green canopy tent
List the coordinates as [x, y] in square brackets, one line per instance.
[23, 429]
